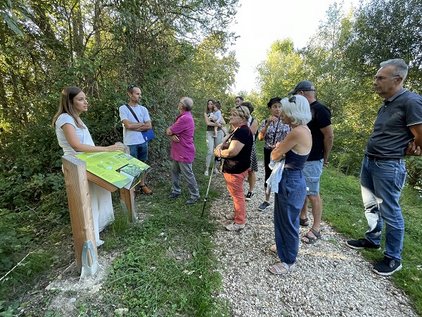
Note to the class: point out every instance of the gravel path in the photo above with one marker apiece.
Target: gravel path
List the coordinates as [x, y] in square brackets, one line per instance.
[330, 278]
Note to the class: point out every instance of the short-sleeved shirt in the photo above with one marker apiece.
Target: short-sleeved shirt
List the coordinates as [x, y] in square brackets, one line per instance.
[131, 137]
[216, 116]
[321, 118]
[184, 128]
[242, 161]
[82, 133]
[391, 133]
[276, 132]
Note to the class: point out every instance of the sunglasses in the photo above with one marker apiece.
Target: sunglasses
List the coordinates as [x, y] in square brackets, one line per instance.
[292, 99]
[241, 109]
[131, 86]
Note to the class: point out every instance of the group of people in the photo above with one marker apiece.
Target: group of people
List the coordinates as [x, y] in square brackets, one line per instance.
[298, 138]
[74, 137]
[299, 134]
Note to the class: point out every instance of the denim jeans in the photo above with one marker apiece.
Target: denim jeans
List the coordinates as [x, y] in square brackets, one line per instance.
[288, 203]
[212, 142]
[140, 151]
[312, 172]
[381, 184]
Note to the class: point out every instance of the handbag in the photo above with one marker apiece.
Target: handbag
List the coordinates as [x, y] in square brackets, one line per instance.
[147, 134]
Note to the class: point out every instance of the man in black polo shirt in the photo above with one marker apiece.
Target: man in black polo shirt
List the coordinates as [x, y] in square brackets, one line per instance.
[397, 132]
[322, 142]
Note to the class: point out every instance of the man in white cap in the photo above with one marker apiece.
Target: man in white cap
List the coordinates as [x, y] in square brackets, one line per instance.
[322, 142]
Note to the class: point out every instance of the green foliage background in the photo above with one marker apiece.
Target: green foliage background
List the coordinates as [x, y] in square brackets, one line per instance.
[170, 48]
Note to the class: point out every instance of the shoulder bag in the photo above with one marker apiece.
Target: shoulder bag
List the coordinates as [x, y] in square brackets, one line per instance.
[147, 134]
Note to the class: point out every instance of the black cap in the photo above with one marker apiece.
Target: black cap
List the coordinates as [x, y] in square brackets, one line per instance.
[304, 85]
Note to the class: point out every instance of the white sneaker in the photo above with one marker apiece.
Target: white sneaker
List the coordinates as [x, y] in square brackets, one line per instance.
[235, 226]
[206, 173]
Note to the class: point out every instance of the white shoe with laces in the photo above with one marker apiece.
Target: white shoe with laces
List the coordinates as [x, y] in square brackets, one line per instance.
[235, 226]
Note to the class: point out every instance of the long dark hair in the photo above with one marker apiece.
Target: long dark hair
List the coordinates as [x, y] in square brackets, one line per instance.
[66, 105]
[206, 107]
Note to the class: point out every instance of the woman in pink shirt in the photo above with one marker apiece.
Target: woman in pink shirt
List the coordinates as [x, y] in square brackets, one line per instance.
[182, 150]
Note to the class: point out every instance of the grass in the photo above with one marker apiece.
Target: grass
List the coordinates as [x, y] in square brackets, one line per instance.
[166, 266]
[343, 209]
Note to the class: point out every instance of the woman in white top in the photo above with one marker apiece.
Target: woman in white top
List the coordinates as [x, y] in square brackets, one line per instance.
[74, 137]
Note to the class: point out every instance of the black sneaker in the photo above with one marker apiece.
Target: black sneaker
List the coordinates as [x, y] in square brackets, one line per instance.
[362, 244]
[248, 196]
[387, 266]
[263, 206]
[174, 195]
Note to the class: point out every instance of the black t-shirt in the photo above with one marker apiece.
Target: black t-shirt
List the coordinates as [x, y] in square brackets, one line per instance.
[321, 118]
[242, 161]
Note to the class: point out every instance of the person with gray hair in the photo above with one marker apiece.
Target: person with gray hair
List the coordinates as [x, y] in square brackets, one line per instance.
[182, 151]
[397, 133]
[291, 191]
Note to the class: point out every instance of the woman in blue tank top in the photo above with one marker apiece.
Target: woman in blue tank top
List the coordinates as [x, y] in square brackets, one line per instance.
[291, 194]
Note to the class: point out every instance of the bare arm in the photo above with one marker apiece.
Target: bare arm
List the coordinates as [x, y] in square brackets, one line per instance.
[328, 142]
[137, 126]
[263, 132]
[73, 140]
[254, 127]
[299, 139]
[415, 147]
[209, 122]
[284, 146]
[234, 149]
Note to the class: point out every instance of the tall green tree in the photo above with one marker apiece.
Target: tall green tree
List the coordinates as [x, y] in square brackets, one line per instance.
[101, 46]
[278, 74]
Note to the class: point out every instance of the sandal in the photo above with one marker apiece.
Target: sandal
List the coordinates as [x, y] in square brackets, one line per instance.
[311, 236]
[145, 190]
[304, 222]
[280, 268]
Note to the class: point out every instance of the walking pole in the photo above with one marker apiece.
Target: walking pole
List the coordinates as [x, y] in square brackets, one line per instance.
[208, 188]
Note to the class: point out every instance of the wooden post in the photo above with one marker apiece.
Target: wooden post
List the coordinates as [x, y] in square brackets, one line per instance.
[76, 179]
[79, 202]
[127, 196]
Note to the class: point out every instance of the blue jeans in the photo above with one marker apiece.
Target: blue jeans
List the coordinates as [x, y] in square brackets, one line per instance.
[381, 184]
[288, 203]
[140, 151]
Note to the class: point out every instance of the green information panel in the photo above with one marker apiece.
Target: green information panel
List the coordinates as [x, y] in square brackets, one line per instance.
[117, 168]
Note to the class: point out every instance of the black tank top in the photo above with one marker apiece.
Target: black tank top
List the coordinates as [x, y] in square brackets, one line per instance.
[295, 161]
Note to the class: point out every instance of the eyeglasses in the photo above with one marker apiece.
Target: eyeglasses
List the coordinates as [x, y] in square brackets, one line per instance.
[381, 78]
[292, 99]
[240, 107]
